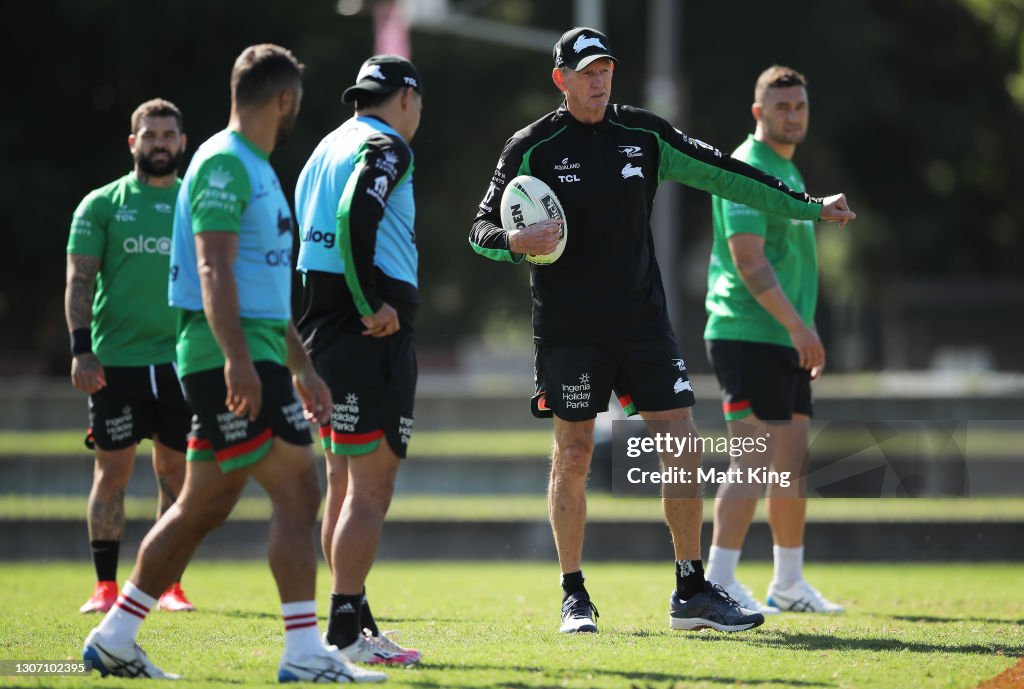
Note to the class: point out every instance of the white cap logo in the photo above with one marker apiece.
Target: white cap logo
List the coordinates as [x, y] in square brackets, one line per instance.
[371, 71]
[584, 42]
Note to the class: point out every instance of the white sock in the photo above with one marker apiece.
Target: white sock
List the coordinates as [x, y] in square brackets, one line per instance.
[121, 625]
[301, 631]
[789, 566]
[722, 565]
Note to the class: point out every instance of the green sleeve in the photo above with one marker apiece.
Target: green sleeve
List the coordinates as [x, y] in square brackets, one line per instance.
[88, 236]
[692, 162]
[219, 194]
[713, 172]
[740, 219]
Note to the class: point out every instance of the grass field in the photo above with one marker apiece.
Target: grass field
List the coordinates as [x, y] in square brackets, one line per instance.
[600, 507]
[494, 626]
[1000, 440]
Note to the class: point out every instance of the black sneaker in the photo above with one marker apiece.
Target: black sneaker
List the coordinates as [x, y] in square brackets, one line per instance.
[714, 608]
[578, 614]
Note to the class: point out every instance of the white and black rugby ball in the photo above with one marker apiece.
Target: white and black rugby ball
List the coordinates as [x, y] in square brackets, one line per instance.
[528, 200]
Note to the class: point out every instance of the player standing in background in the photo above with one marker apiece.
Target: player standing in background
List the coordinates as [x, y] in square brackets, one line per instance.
[231, 279]
[765, 349]
[122, 337]
[599, 315]
[358, 256]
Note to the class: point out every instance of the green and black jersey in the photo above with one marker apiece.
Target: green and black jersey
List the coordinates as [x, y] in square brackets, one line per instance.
[127, 225]
[607, 284]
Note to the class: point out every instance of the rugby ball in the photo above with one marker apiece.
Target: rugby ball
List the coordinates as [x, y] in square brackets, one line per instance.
[528, 200]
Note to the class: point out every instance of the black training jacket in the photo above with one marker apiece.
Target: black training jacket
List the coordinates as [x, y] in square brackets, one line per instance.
[607, 285]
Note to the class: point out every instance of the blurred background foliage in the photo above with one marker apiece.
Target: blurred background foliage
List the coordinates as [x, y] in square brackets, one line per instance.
[916, 114]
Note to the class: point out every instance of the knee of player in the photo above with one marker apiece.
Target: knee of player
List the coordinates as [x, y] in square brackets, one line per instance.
[112, 475]
[572, 460]
[370, 507]
[167, 462]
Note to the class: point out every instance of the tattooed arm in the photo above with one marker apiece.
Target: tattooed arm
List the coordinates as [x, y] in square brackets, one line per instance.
[747, 251]
[86, 371]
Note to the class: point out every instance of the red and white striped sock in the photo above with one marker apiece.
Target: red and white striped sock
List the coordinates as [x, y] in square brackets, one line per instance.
[301, 630]
[121, 625]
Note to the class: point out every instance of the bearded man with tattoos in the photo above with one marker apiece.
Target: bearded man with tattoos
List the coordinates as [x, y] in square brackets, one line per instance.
[123, 337]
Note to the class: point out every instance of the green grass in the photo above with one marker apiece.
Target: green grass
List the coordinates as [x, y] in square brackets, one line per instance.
[491, 626]
[979, 441]
[428, 443]
[600, 507]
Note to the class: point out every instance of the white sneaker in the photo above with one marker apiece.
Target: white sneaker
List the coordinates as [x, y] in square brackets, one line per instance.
[329, 666]
[801, 597]
[402, 655]
[745, 597]
[127, 661]
[371, 650]
[578, 614]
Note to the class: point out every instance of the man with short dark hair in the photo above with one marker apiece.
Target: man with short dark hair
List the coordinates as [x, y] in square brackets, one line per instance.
[359, 261]
[599, 316]
[122, 337]
[765, 350]
[239, 357]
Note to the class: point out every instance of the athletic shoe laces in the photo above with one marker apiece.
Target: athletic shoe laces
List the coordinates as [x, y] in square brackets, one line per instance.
[578, 608]
[717, 589]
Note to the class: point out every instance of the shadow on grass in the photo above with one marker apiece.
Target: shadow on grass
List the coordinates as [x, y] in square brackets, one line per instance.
[383, 622]
[249, 614]
[802, 641]
[646, 678]
[943, 620]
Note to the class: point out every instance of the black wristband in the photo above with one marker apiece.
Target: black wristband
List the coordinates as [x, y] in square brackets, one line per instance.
[81, 341]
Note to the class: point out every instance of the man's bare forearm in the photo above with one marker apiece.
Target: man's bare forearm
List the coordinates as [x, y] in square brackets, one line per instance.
[764, 286]
[79, 290]
[298, 359]
[220, 303]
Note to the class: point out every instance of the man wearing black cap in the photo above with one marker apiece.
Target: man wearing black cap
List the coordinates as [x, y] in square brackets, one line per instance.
[599, 315]
[358, 256]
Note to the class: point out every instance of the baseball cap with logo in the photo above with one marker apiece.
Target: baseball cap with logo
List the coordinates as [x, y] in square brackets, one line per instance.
[578, 47]
[383, 74]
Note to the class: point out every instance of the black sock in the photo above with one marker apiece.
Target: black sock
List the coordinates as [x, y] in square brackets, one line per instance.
[343, 624]
[366, 620]
[572, 583]
[104, 559]
[689, 578]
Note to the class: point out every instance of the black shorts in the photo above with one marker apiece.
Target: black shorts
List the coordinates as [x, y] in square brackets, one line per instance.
[373, 385]
[574, 382]
[138, 402]
[233, 442]
[765, 379]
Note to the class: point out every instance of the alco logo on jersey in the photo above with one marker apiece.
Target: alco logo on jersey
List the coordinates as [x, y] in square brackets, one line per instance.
[147, 245]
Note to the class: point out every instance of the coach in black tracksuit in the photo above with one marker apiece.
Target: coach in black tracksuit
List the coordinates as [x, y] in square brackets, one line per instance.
[599, 315]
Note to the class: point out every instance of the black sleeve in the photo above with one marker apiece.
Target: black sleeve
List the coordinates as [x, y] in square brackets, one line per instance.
[487, 236]
[382, 163]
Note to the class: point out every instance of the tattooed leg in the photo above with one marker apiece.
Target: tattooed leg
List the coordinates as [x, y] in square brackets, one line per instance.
[169, 467]
[106, 500]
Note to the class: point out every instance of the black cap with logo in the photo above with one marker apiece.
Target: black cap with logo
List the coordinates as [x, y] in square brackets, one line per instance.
[383, 74]
[578, 47]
